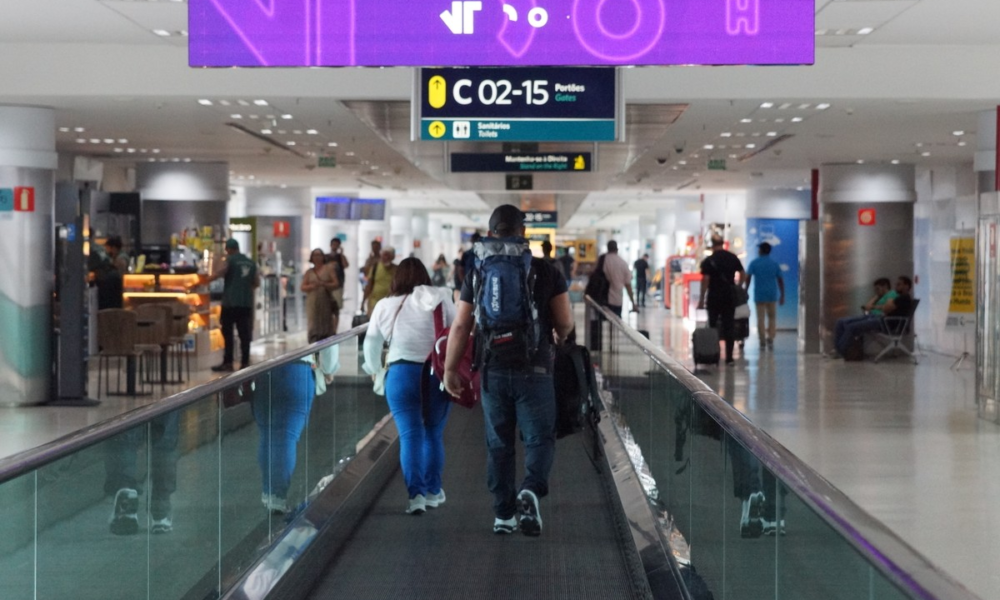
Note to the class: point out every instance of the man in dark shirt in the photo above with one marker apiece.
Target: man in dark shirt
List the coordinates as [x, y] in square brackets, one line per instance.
[718, 274]
[900, 305]
[516, 396]
[641, 270]
[242, 278]
[469, 258]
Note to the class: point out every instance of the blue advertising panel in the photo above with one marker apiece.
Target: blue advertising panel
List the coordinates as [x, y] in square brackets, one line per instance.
[783, 235]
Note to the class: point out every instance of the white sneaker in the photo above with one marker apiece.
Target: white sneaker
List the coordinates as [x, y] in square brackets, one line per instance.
[164, 525]
[417, 506]
[504, 526]
[274, 503]
[435, 500]
[531, 518]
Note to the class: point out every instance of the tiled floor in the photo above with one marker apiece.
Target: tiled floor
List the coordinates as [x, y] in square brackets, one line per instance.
[902, 441]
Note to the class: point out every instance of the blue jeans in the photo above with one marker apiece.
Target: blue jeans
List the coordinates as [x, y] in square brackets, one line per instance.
[122, 452]
[281, 422]
[849, 328]
[421, 434]
[512, 398]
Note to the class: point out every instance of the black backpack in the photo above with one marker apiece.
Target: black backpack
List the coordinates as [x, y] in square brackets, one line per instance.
[598, 285]
[577, 397]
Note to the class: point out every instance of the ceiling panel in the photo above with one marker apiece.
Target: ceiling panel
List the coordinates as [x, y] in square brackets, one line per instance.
[870, 13]
[68, 21]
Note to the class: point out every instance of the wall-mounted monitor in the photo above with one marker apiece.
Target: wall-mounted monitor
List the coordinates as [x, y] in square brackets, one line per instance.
[330, 207]
[367, 210]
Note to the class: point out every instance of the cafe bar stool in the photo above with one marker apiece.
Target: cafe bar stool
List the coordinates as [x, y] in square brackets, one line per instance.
[180, 316]
[154, 322]
[117, 337]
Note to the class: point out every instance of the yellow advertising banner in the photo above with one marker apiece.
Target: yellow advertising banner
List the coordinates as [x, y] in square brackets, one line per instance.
[586, 251]
[963, 276]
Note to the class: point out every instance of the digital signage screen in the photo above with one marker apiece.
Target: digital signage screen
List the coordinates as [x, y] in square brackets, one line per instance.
[307, 33]
[328, 207]
[367, 210]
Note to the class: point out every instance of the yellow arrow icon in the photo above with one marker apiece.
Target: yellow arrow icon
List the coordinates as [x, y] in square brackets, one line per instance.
[437, 92]
[437, 129]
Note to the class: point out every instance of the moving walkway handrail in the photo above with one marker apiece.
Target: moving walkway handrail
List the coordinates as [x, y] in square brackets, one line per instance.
[29, 460]
[892, 556]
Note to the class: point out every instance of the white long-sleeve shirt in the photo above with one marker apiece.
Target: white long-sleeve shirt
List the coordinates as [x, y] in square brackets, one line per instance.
[413, 336]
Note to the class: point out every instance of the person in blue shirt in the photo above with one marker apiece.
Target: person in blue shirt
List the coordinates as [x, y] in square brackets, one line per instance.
[767, 294]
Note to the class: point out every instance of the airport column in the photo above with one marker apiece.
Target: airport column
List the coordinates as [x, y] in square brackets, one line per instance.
[866, 232]
[27, 199]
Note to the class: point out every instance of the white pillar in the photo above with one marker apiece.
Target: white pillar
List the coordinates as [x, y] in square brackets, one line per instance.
[28, 162]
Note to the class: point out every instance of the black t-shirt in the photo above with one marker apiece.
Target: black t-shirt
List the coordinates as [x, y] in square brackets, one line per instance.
[640, 267]
[549, 283]
[903, 304]
[721, 267]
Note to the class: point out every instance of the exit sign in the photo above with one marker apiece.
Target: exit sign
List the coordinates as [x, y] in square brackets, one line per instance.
[717, 164]
[328, 162]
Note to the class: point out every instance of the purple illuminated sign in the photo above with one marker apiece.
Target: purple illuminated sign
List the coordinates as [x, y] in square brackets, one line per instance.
[303, 33]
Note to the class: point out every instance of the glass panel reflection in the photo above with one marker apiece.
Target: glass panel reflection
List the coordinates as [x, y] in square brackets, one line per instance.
[17, 537]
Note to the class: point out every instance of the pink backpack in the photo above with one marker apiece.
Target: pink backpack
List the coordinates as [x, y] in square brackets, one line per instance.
[435, 362]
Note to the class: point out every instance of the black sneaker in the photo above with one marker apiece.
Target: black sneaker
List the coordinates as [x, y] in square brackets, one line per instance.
[124, 517]
[223, 368]
[531, 519]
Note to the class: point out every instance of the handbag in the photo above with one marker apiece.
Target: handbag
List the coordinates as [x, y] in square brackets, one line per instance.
[468, 376]
[378, 385]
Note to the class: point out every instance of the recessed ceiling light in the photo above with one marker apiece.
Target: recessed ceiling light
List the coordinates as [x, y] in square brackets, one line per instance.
[350, 154]
[95, 141]
[187, 160]
[733, 155]
[861, 162]
[751, 146]
[796, 119]
[255, 117]
[156, 150]
[822, 106]
[79, 129]
[772, 133]
[109, 141]
[143, 151]
[804, 106]
[780, 120]
[726, 134]
[709, 147]
[64, 129]
[236, 116]
[895, 161]
[865, 30]
[290, 143]
[131, 150]
[260, 102]
[925, 154]
[767, 105]
[312, 132]
[959, 133]
[81, 141]
[122, 141]
[287, 117]
[683, 162]
[266, 131]
[919, 144]
[242, 103]
[332, 144]
[119, 150]
[252, 177]
[175, 160]
[296, 132]
[205, 102]
[746, 120]
[183, 32]
[161, 32]
[962, 143]
[225, 102]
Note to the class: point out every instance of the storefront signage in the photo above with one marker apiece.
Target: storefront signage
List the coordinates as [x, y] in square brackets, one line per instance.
[375, 33]
[586, 251]
[24, 199]
[577, 162]
[521, 105]
[963, 276]
[541, 219]
[867, 217]
[282, 229]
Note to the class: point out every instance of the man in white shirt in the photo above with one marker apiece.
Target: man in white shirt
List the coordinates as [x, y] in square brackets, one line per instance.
[619, 278]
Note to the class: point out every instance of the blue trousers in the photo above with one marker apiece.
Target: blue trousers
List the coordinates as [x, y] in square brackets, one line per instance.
[517, 398]
[849, 328]
[421, 433]
[282, 414]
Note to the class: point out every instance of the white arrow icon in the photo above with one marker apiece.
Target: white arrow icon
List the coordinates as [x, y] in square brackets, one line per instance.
[461, 18]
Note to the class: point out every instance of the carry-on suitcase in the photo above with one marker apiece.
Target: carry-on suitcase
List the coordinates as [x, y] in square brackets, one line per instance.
[705, 343]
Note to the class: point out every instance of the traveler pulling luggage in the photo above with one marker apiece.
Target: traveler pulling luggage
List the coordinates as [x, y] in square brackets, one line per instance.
[705, 343]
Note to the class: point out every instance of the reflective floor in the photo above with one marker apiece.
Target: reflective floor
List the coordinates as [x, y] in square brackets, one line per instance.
[902, 441]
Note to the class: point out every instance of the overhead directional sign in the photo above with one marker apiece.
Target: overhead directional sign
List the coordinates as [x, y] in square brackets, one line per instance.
[577, 162]
[376, 33]
[517, 104]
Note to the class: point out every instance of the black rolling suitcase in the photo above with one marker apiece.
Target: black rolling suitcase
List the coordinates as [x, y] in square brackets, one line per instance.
[705, 346]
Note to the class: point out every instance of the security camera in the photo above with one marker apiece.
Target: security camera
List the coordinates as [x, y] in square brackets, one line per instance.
[679, 148]
[662, 160]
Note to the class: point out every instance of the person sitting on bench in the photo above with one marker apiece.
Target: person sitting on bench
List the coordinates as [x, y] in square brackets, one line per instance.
[896, 302]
